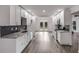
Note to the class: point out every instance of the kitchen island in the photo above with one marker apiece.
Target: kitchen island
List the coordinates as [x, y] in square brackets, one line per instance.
[64, 37]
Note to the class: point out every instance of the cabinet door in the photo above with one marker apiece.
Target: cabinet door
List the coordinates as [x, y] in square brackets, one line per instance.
[12, 15]
[18, 44]
[18, 15]
[22, 12]
[78, 40]
[59, 37]
[21, 43]
[66, 38]
[7, 45]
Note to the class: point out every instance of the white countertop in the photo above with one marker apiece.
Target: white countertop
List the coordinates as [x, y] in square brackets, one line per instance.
[14, 35]
[62, 31]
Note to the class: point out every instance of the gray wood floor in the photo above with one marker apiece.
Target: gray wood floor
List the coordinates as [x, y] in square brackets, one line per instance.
[45, 43]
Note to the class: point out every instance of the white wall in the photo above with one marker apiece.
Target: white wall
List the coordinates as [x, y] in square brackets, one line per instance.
[4, 15]
[33, 23]
[68, 18]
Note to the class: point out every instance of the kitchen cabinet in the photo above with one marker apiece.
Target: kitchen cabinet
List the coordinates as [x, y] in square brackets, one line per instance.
[7, 45]
[78, 40]
[21, 43]
[13, 43]
[64, 37]
[12, 15]
[18, 15]
[23, 12]
[15, 15]
[75, 42]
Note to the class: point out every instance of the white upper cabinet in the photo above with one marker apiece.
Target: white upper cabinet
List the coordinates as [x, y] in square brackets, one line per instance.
[15, 15]
[18, 15]
[23, 12]
[16, 12]
[12, 15]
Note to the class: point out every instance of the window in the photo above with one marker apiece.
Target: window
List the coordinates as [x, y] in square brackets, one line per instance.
[74, 25]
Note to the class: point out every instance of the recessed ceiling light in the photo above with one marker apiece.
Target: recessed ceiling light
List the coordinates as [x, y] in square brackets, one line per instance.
[44, 11]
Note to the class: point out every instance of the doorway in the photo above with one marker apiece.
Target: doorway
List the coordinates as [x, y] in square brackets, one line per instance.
[44, 25]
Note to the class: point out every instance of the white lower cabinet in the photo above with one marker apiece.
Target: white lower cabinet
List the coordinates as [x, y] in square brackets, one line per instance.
[21, 43]
[64, 38]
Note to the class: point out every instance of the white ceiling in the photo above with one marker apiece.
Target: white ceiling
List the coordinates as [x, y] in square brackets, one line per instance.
[50, 9]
